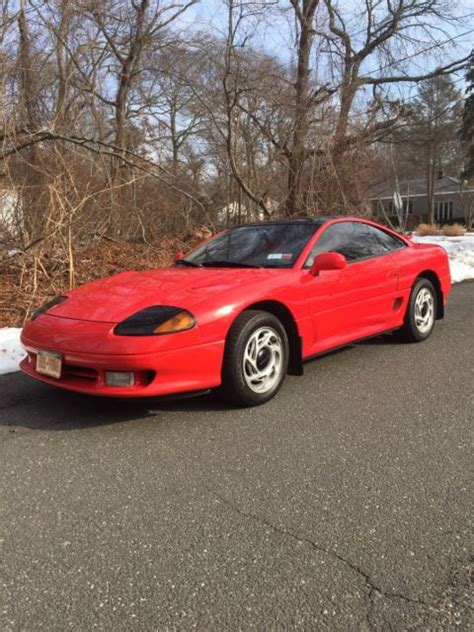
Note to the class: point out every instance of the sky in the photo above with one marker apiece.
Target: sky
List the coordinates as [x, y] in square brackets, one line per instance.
[275, 35]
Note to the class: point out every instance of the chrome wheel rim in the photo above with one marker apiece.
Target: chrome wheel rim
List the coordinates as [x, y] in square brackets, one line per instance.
[263, 360]
[424, 310]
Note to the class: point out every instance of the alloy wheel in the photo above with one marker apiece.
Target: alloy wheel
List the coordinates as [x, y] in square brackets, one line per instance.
[263, 359]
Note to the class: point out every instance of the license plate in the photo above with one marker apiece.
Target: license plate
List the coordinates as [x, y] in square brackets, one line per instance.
[49, 363]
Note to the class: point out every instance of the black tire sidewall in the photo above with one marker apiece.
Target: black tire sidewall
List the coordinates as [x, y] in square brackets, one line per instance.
[233, 372]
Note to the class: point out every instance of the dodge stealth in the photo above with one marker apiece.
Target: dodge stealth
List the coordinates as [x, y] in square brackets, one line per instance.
[239, 312]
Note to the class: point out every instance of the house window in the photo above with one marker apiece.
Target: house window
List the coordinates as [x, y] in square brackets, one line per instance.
[443, 211]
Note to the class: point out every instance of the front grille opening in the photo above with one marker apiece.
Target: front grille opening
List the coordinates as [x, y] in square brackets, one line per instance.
[79, 372]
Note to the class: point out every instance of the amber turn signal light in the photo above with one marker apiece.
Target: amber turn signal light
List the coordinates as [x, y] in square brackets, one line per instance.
[179, 322]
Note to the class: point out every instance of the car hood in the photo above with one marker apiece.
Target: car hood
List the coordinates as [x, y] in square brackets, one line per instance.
[115, 298]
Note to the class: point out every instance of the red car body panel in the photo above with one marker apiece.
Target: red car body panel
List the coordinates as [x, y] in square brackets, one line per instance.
[329, 310]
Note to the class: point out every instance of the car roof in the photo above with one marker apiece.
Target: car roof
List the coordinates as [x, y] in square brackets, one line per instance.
[313, 221]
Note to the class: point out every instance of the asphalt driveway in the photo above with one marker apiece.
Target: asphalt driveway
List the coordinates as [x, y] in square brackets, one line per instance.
[343, 504]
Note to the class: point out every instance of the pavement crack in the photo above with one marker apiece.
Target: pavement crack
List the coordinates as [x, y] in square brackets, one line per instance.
[372, 587]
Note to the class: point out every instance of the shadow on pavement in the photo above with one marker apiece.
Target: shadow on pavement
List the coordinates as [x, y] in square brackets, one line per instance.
[29, 404]
[25, 403]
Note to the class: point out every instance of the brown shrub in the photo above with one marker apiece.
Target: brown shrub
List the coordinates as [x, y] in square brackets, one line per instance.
[28, 279]
[453, 230]
[427, 229]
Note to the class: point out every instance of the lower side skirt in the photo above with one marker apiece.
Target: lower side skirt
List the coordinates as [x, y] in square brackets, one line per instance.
[313, 356]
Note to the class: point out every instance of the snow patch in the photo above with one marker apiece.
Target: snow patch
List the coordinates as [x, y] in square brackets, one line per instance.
[460, 253]
[11, 351]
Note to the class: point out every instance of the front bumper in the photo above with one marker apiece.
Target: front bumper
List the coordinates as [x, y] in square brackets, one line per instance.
[162, 371]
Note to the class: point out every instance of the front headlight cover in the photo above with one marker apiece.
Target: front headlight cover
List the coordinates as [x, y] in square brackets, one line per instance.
[47, 306]
[156, 320]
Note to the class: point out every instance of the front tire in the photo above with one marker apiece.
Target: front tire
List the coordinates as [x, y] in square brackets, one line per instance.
[421, 312]
[255, 359]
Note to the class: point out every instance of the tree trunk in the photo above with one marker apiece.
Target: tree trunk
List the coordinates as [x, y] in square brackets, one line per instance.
[297, 156]
[430, 184]
[34, 213]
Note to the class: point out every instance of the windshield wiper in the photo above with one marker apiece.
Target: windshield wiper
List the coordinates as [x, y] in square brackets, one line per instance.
[228, 264]
[186, 262]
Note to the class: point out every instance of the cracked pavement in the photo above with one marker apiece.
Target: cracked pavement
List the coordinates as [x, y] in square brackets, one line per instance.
[343, 504]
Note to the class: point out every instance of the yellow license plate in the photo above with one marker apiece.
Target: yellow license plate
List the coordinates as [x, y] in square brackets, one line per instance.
[49, 363]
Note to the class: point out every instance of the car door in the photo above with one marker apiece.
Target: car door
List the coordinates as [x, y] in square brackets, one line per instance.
[358, 300]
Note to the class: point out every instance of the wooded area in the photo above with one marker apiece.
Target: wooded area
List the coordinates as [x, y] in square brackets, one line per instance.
[121, 120]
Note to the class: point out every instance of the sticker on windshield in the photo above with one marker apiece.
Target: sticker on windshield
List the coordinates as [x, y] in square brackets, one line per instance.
[280, 255]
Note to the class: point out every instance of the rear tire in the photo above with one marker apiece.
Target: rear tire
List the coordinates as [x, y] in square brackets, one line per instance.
[421, 312]
[255, 359]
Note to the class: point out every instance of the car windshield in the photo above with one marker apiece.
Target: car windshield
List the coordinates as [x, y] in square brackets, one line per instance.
[265, 246]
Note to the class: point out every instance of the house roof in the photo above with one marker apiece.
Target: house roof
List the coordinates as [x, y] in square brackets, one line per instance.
[416, 187]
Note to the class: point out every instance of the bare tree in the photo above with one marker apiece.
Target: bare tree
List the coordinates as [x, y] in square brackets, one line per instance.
[211, 119]
[386, 30]
[305, 11]
[237, 12]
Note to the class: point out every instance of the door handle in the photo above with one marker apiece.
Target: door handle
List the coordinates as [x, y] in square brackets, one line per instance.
[392, 275]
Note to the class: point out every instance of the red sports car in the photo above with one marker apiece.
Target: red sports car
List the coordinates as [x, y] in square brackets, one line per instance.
[239, 312]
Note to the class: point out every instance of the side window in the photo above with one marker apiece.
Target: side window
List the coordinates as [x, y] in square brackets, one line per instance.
[355, 241]
[327, 242]
[338, 238]
[390, 242]
[368, 244]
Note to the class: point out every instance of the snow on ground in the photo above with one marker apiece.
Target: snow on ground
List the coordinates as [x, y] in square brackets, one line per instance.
[11, 351]
[461, 259]
[460, 252]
